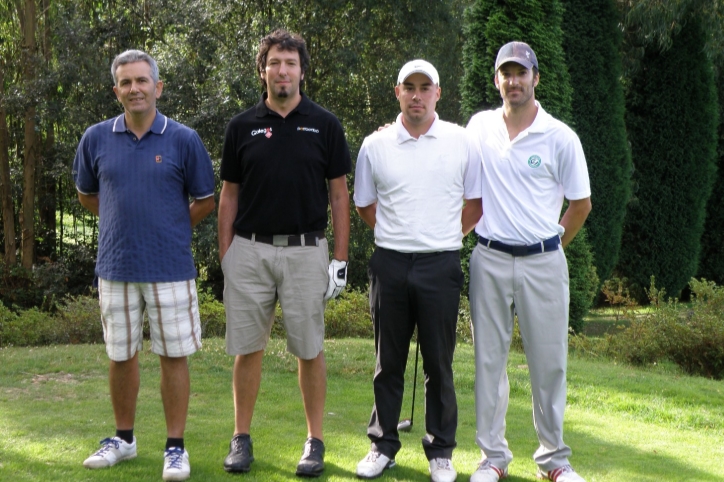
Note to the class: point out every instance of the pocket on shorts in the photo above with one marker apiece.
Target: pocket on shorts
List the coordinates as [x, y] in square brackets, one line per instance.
[227, 255]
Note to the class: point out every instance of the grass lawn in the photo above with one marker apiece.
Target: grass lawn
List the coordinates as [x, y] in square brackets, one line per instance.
[623, 423]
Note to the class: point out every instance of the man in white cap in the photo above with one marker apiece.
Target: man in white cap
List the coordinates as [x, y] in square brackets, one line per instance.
[410, 183]
[531, 161]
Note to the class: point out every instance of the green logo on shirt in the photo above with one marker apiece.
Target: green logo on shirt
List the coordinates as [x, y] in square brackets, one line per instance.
[534, 162]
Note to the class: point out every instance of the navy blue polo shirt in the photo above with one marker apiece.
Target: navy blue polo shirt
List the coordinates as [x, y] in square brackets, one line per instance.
[144, 185]
[282, 166]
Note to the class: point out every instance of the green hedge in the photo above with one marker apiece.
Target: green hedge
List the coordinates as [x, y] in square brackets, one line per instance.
[672, 125]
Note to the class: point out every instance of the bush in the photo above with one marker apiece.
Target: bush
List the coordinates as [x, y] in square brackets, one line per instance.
[212, 314]
[692, 338]
[31, 328]
[79, 320]
[582, 278]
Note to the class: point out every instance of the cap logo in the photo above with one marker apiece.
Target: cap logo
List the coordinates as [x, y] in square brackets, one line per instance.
[534, 162]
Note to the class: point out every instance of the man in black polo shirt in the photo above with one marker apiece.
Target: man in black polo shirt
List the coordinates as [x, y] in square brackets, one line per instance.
[283, 161]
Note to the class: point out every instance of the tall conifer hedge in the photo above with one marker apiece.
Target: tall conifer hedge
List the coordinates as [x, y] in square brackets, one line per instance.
[711, 263]
[672, 126]
[591, 43]
[489, 24]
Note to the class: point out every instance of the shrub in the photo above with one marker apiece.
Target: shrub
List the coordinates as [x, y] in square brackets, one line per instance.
[79, 320]
[31, 327]
[17, 288]
[582, 278]
[212, 314]
[348, 316]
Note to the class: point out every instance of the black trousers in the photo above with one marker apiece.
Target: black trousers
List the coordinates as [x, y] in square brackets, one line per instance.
[408, 290]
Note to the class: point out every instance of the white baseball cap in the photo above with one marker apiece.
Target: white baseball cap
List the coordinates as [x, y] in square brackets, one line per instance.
[418, 66]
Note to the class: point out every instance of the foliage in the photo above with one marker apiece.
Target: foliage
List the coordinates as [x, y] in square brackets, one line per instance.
[674, 161]
[591, 42]
[489, 24]
[348, 315]
[583, 280]
[618, 296]
[212, 314]
[692, 338]
[31, 327]
[17, 287]
[711, 262]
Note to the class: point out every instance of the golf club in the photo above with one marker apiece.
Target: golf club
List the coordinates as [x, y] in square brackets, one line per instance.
[406, 424]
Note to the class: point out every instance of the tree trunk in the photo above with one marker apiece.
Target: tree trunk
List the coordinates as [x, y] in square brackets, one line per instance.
[8, 214]
[31, 151]
[46, 195]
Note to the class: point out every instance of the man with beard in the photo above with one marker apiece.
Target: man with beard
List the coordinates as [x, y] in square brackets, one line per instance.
[284, 161]
[531, 161]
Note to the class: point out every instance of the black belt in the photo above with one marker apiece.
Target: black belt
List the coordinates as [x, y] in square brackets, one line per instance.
[550, 244]
[306, 239]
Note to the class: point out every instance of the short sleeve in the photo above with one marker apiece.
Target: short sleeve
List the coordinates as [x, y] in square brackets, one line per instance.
[365, 192]
[340, 161]
[573, 171]
[231, 169]
[85, 174]
[199, 180]
[473, 180]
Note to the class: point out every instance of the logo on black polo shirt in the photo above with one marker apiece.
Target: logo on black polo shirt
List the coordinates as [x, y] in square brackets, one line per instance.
[267, 131]
[308, 129]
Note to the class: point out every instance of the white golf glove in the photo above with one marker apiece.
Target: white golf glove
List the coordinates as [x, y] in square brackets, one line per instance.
[337, 279]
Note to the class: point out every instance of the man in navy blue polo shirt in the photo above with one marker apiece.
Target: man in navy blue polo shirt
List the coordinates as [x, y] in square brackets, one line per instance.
[137, 172]
[284, 161]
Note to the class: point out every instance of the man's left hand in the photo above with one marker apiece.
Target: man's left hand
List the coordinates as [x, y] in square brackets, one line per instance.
[337, 279]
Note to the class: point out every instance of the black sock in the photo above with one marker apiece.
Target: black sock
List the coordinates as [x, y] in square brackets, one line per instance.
[175, 442]
[125, 435]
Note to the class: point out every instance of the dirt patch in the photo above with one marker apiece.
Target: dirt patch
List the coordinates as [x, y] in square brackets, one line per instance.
[60, 377]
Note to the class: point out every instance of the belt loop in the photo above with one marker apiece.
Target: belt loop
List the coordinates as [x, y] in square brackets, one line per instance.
[253, 238]
[488, 245]
[302, 239]
[542, 247]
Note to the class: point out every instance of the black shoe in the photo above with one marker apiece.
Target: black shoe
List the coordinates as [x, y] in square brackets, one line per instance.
[241, 454]
[312, 462]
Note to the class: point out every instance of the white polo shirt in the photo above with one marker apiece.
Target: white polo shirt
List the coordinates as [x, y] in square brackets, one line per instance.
[525, 180]
[418, 184]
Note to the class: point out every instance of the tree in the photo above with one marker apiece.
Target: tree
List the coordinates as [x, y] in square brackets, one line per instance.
[672, 121]
[591, 42]
[711, 263]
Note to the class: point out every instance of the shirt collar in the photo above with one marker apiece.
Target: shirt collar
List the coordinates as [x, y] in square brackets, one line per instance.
[542, 119]
[262, 110]
[158, 127]
[404, 136]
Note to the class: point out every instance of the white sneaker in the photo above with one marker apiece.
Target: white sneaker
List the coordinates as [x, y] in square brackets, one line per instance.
[488, 472]
[113, 450]
[441, 470]
[176, 464]
[561, 474]
[373, 465]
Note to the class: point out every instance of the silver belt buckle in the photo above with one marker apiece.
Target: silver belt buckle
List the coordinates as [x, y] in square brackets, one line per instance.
[280, 240]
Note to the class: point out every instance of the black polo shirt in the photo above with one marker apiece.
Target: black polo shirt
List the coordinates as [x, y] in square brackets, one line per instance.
[283, 165]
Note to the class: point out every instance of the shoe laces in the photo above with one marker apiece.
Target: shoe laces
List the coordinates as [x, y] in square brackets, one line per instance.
[485, 464]
[310, 447]
[372, 456]
[443, 464]
[239, 443]
[107, 444]
[175, 456]
[555, 473]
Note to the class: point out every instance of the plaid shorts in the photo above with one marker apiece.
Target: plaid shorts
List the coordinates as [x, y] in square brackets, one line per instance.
[173, 315]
